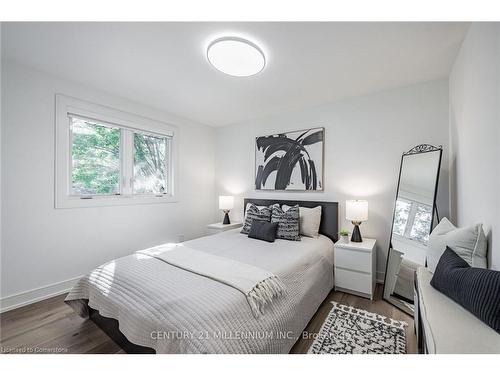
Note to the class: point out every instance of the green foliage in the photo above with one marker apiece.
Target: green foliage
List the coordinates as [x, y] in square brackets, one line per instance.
[344, 232]
[96, 159]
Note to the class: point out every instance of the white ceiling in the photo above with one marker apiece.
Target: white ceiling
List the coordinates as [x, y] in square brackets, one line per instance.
[164, 64]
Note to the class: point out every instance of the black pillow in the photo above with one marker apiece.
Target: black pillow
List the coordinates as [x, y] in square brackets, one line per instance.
[263, 230]
[476, 289]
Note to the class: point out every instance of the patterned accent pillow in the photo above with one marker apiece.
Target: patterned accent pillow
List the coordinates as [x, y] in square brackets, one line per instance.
[288, 222]
[253, 213]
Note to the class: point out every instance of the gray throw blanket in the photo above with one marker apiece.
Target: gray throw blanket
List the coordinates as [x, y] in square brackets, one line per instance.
[259, 286]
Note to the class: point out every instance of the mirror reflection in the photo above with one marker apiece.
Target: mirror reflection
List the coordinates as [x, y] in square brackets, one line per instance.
[412, 223]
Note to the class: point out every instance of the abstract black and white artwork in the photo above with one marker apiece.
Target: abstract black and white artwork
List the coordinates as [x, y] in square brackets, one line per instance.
[290, 161]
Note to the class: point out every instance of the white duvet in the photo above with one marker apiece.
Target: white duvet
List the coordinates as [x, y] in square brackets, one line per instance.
[175, 311]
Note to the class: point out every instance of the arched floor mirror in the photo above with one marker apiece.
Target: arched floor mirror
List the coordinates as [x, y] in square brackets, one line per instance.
[413, 219]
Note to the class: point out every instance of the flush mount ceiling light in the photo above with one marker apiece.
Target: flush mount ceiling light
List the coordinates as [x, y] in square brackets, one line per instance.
[236, 56]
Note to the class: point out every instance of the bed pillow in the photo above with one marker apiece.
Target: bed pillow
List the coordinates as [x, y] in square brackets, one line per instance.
[469, 243]
[475, 289]
[254, 213]
[288, 222]
[309, 220]
[249, 204]
[263, 230]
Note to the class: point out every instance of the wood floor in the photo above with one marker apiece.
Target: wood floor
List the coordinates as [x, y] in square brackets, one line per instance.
[51, 326]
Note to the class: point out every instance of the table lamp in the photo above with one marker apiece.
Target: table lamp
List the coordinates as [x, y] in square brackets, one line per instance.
[356, 211]
[226, 203]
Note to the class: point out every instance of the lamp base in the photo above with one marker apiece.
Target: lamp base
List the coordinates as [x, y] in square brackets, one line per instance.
[356, 234]
[226, 218]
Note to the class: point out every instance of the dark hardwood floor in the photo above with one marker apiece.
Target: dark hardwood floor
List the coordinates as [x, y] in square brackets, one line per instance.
[51, 326]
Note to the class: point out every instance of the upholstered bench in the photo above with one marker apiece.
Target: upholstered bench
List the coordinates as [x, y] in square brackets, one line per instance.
[444, 326]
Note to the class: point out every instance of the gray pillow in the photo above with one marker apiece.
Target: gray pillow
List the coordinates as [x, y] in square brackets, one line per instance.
[288, 222]
[469, 243]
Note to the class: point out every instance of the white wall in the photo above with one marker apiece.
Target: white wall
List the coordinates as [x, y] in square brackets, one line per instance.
[475, 134]
[42, 245]
[365, 138]
[1, 163]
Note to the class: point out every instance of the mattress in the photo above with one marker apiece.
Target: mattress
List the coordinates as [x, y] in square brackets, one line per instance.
[174, 311]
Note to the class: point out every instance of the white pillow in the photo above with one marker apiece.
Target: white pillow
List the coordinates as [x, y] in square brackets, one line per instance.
[310, 219]
[469, 243]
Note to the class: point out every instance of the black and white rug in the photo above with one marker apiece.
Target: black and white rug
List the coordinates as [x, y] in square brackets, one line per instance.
[348, 330]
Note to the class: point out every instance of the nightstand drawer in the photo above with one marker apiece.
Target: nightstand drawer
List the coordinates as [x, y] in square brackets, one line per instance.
[356, 281]
[353, 259]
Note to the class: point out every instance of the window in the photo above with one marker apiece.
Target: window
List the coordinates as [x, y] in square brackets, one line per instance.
[108, 157]
[412, 220]
[401, 216]
[421, 223]
[150, 164]
[95, 154]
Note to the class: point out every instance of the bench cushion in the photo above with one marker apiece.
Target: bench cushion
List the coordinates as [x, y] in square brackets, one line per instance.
[448, 327]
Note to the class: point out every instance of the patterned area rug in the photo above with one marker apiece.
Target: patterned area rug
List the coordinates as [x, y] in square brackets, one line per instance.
[348, 330]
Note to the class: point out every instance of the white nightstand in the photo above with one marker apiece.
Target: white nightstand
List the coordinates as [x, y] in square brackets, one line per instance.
[219, 227]
[355, 264]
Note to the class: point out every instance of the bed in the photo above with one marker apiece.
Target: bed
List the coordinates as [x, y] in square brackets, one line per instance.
[149, 306]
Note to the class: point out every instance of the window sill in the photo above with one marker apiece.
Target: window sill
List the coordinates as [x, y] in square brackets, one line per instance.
[76, 202]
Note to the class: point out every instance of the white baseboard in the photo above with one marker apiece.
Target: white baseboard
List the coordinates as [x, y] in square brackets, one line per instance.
[34, 295]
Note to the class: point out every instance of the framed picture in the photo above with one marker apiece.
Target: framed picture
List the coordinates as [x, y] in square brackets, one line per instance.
[290, 161]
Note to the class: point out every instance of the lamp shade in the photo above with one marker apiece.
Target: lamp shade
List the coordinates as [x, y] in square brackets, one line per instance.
[356, 210]
[226, 202]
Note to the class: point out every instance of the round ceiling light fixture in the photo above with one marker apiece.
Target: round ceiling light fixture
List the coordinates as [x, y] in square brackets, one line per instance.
[236, 56]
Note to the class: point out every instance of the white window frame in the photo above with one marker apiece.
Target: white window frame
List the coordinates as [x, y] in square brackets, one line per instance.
[67, 106]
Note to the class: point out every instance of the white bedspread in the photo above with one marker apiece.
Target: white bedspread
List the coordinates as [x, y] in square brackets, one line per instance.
[175, 311]
[260, 287]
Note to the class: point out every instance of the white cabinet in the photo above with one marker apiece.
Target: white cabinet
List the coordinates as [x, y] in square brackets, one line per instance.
[355, 267]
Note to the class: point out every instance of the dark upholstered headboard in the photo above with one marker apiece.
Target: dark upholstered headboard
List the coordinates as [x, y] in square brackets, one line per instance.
[329, 213]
